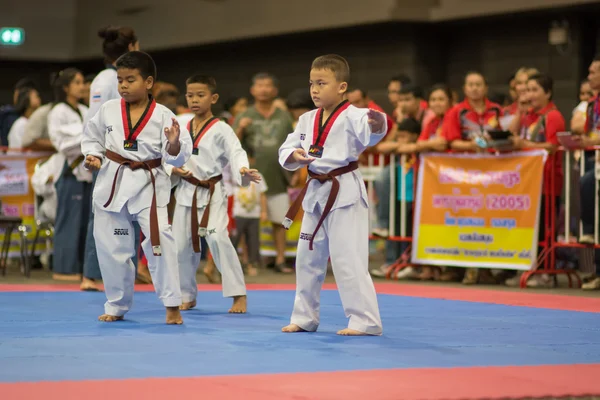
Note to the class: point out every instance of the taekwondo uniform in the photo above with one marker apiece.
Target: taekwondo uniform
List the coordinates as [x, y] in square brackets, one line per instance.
[336, 217]
[133, 185]
[201, 208]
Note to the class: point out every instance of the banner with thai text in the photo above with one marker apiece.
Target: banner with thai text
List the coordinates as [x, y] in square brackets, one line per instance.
[17, 195]
[478, 210]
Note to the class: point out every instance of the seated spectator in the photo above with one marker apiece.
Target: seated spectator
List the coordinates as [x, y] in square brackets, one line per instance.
[8, 113]
[28, 101]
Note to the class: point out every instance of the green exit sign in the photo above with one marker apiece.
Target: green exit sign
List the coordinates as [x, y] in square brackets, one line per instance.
[12, 36]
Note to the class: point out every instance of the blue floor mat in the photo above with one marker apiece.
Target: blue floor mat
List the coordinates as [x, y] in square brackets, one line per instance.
[55, 336]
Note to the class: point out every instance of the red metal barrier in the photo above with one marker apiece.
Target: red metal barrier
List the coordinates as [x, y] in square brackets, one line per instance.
[546, 260]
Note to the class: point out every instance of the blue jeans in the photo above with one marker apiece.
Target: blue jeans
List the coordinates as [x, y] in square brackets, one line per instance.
[382, 189]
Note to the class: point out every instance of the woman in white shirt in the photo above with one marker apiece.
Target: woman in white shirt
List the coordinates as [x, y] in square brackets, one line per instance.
[73, 188]
[27, 102]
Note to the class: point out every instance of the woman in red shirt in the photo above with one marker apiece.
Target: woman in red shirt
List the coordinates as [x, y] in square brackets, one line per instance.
[538, 130]
[468, 120]
[431, 139]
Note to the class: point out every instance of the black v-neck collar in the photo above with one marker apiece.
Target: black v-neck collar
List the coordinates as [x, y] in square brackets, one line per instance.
[76, 109]
[141, 120]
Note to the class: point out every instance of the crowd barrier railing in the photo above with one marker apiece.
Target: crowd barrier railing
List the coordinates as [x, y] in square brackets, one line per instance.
[547, 245]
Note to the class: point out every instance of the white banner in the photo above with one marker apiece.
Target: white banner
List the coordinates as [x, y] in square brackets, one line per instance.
[14, 180]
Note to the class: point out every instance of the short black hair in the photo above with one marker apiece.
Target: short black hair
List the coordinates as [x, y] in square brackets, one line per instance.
[475, 73]
[205, 80]
[265, 75]
[410, 88]
[363, 93]
[444, 88]
[335, 63]
[89, 78]
[182, 101]
[231, 102]
[140, 61]
[402, 78]
[410, 125]
[545, 82]
[300, 98]
[596, 58]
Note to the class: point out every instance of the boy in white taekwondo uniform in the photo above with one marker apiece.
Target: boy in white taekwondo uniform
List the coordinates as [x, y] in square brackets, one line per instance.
[330, 140]
[129, 140]
[201, 208]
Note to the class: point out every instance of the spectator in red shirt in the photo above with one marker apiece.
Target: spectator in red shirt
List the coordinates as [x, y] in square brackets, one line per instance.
[360, 99]
[463, 127]
[521, 102]
[431, 138]
[466, 122]
[538, 130]
[394, 86]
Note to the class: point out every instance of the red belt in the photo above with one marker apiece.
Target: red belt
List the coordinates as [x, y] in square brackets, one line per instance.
[148, 166]
[210, 185]
[335, 188]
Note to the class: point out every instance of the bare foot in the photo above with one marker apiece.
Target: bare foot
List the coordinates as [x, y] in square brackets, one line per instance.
[209, 271]
[109, 318]
[88, 285]
[251, 270]
[143, 274]
[174, 316]
[292, 328]
[239, 305]
[351, 332]
[187, 306]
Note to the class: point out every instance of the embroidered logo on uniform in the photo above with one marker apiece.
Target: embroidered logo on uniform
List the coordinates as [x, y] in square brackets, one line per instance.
[96, 97]
[305, 236]
[121, 232]
[302, 136]
[211, 231]
[109, 129]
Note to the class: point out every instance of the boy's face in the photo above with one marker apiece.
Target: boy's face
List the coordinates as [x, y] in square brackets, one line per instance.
[409, 104]
[405, 137]
[132, 86]
[325, 89]
[199, 98]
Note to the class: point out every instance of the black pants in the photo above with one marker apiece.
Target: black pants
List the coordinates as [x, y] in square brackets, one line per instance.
[588, 188]
[393, 249]
[250, 229]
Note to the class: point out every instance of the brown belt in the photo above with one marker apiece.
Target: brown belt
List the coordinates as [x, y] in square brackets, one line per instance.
[335, 188]
[148, 166]
[76, 162]
[210, 185]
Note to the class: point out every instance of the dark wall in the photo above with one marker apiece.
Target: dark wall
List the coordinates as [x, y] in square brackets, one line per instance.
[498, 48]
[429, 53]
